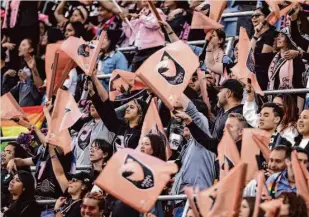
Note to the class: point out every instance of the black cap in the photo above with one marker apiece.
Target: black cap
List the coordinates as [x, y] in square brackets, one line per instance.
[235, 86]
[83, 177]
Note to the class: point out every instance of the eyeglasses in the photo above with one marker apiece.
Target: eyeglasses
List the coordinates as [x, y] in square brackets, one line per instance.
[256, 15]
[90, 208]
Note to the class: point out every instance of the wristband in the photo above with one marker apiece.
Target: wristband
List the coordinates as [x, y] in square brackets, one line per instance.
[170, 33]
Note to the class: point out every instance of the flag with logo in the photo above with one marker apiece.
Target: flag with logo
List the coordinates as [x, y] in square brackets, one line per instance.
[139, 175]
[57, 66]
[254, 150]
[200, 21]
[300, 178]
[224, 198]
[227, 153]
[65, 114]
[168, 71]
[84, 53]
[124, 85]
[9, 107]
[152, 125]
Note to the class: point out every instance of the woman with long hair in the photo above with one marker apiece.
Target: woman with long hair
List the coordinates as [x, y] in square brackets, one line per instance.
[215, 55]
[293, 205]
[247, 208]
[153, 145]
[22, 202]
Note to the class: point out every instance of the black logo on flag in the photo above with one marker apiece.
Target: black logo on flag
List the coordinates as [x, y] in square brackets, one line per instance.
[170, 70]
[66, 110]
[84, 50]
[229, 163]
[137, 173]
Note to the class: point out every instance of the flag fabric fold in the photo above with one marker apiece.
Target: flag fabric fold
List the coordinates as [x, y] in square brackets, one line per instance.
[189, 191]
[137, 174]
[227, 153]
[224, 198]
[245, 67]
[254, 142]
[300, 179]
[272, 18]
[65, 114]
[200, 21]
[10, 108]
[216, 9]
[260, 191]
[61, 67]
[168, 71]
[273, 4]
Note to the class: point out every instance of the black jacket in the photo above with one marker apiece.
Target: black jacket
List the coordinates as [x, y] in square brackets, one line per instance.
[217, 131]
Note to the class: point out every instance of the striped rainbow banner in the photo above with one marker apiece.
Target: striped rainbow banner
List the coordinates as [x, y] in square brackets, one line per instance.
[34, 114]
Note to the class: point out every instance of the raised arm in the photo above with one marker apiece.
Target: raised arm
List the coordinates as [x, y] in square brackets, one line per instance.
[212, 65]
[58, 169]
[38, 82]
[59, 12]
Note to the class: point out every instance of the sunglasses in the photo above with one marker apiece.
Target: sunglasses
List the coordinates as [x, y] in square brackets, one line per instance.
[256, 15]
[75, 180]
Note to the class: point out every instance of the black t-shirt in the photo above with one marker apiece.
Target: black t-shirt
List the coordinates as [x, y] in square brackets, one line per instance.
[6, 178]
[47, 184]
[267, 38]
[71, 208]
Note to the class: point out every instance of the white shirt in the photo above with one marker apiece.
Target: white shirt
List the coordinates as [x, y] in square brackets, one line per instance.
[71, 82]
[304, 143]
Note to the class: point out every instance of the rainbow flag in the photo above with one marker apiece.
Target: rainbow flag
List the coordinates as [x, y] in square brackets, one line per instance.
[34, 114]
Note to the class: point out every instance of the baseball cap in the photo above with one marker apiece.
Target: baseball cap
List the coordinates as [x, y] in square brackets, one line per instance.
[83, 177]
[234, 85]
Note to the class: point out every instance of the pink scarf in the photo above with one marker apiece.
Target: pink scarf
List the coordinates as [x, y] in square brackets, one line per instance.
[14, 5]
[284, 68]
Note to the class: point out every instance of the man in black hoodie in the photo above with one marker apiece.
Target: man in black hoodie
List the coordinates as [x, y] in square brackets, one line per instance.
[229, 101]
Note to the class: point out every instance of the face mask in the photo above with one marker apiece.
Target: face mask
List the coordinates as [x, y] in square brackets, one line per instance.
[175, 140]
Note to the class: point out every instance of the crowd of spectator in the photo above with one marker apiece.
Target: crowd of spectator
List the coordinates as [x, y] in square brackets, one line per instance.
[193, 132]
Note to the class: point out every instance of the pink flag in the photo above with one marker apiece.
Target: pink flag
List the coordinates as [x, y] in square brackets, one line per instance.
[251, 149]
[272, 18]
[139, 175]
[152, 124]
[227, 153]
[84, 53]
[124, 85]
[245, 67]
[10, 108]
[56, 72]
[300, 179]
[200, 21]
[273, 4]
[261, 191]
[168, 71]
[224, 198]
[189, 191]
[216, 9]
[65, 114]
